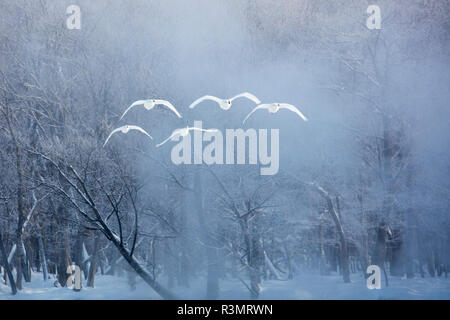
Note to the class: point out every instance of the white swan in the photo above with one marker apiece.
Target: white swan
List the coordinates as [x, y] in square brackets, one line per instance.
[150, 104]
[182, 132]
[225, 104]
[126, 129]
[275, 107]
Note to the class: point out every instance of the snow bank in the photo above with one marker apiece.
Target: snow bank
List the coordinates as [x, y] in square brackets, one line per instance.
[301, 287]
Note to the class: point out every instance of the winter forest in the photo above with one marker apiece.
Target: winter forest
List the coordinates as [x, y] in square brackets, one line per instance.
[364, 181]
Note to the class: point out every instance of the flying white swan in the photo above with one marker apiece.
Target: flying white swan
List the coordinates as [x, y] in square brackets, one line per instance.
[150, 104]
[183, 132]
[275, 107]
[125, 129]
[225, 104]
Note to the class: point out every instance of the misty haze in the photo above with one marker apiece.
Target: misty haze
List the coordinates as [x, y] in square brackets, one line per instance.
[328, 178]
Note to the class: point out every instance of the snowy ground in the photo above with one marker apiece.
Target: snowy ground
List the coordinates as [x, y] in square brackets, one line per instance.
[302, 287]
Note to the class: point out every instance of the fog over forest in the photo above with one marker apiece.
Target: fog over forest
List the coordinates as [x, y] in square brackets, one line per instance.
[364, 181]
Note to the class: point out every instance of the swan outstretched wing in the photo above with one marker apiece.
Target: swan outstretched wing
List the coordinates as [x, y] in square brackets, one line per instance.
[293, 109]
[140, 130]
[199, 100]
[136, 103]
[248, 96]
[203, 130]
[113, 132]
[168, 105]
[175, 133]
[261, 106]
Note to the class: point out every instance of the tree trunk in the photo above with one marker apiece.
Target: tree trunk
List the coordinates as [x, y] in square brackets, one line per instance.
[163, 292]
[212, 285]
[21, 261]
[43, 258]
[5, 263]
[252, 253]
[78, 251]
[63, 252]
[380, 249]
[364, 253]
[94, 262]
[212, 278]
[344, 249]
[63, 257]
